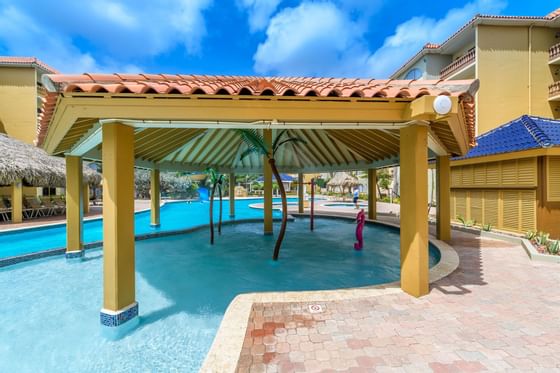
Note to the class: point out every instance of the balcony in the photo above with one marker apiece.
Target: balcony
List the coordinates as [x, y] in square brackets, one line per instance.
[461, 68]
[554, 91]
[554, 55]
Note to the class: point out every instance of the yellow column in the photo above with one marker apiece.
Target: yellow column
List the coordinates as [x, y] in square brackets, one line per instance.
[267, 173]
[16, 199]
[155, 198]
[86, 198]
[74, 207]
[119, 304]
[231, 180]
[300, 190]
[414, 207]
[372, 194]
[443, 174]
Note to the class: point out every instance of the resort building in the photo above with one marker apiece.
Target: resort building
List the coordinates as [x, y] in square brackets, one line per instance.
[517, 62]
[511, 179]
[21, 96]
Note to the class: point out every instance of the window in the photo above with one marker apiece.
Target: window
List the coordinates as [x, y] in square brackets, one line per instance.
[415, 73]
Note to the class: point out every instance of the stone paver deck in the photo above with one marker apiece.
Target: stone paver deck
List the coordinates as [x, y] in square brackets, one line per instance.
[497, 312]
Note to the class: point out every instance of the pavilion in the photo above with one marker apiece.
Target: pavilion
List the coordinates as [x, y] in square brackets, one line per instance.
[185, 122]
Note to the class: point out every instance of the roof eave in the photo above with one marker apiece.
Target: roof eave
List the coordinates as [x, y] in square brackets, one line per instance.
[411, 62]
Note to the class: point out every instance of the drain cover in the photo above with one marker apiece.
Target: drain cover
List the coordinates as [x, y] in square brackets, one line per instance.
[315, 308]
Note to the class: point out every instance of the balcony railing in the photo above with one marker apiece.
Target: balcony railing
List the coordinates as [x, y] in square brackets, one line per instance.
[554, 52]
[554, 89]
[458, 64]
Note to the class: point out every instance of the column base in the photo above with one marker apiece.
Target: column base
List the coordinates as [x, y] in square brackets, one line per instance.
[232, 216]
[155, 225]
[117, 323]
[75, 255]
[268, 233]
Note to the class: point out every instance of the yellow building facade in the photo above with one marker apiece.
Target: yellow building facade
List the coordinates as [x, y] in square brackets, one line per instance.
[517, 62]
[21, 95]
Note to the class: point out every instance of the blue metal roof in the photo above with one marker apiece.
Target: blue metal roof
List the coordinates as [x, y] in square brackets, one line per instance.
[285, 178]
[524, 133]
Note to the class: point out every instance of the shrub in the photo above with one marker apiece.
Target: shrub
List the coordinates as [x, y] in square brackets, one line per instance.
[530, 235]
[487, 227]
[554, 247]
[542, 238]
[466, 223]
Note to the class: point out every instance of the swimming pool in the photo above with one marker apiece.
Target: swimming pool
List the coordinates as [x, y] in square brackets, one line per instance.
[174, 216]
[50, 308]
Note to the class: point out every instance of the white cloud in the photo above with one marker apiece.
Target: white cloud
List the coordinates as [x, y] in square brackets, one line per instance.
[119, 31]
[311, 39]
[411, 35]
[326, 38]
[259, 11]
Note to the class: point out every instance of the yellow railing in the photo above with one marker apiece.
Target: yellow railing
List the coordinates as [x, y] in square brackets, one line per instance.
[554, 52]
[458, 64]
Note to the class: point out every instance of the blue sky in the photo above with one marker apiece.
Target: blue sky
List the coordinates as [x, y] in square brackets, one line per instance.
[345, 38]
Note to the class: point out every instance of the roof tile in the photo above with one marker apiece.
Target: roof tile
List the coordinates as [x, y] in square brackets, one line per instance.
[523, 133]
[26, 61]
[235, 85]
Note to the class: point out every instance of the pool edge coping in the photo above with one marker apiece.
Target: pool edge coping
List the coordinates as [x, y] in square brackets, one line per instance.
[225, 350]
[16, 259]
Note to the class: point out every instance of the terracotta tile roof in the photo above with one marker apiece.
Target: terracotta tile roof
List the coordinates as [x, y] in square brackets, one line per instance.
[553, 14]
[26, 61]
[431, 46]
[246, 85]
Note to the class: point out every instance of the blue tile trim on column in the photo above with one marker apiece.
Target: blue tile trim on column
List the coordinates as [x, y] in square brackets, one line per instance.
[119, 318]
[75, 254]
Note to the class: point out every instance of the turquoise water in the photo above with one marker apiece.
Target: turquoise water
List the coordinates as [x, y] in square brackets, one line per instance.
[50, 307]
[176, 215]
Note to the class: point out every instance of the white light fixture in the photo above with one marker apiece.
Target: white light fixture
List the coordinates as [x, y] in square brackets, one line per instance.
[442, 105]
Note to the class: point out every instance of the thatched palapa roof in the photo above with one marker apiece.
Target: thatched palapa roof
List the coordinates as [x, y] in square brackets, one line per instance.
[344, 180]
[32, 165]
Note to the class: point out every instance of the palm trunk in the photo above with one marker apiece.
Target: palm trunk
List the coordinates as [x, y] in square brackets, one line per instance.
[212, 214]
[220, 215]
[282, 231]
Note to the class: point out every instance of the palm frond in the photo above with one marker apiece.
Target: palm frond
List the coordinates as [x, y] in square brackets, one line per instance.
[247, 152]
[288, 140]
[278, 138]
[255, 142]
[212, 174]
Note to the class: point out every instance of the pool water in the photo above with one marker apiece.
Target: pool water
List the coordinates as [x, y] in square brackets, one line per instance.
[50, 307]
[175, 215]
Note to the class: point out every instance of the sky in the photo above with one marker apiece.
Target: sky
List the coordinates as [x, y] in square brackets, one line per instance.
[339, 38]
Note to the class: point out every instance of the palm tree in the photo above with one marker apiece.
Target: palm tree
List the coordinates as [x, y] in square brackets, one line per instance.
[216, 181]
[256, 144]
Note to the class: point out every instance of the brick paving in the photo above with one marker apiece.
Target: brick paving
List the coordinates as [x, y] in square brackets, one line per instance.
[497, 312]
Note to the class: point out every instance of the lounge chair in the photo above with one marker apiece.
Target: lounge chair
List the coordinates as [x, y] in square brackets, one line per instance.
[48, 204]
[5, 211]
[60, 203]
[37, 210]
[27, 212]
[54, 208]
